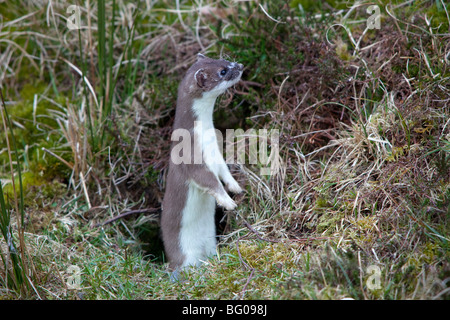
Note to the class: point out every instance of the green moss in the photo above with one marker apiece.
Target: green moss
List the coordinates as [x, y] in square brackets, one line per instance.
[322, 203]
[328, 221]
[438, 16]
[34, 187]
[395, 154]
[342, 51]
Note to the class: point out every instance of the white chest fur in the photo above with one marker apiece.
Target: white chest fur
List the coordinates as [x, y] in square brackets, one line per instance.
[205, 136]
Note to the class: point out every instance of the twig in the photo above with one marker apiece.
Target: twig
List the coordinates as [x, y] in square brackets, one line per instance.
[252, 270]
[239, 253]
[310, 239]
[125, 214]
[249, 227]
[246, 284]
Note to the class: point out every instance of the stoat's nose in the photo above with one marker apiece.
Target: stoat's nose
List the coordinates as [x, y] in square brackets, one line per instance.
[239, 66]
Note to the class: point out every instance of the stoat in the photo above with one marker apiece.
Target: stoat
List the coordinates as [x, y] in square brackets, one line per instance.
[193, 185]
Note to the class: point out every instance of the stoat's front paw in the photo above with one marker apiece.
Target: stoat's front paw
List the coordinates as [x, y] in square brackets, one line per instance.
[234, 187]
[226, 202]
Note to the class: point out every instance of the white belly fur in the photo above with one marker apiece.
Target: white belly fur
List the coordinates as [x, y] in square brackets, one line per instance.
[198, 230]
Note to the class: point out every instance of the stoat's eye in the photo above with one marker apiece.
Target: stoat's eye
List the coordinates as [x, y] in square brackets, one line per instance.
[223, 72]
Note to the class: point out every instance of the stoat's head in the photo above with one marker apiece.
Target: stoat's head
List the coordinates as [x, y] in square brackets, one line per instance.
[212, 77]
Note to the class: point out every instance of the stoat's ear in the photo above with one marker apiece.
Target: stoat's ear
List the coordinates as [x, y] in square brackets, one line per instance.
[200, 77]
[201, 56]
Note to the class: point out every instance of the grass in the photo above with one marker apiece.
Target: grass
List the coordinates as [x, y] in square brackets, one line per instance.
[364, 142]
[13, 255]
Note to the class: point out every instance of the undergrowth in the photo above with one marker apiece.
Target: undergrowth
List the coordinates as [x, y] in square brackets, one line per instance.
[358, 208]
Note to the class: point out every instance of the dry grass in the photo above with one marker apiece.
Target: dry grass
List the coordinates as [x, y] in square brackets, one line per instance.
[364, 147]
